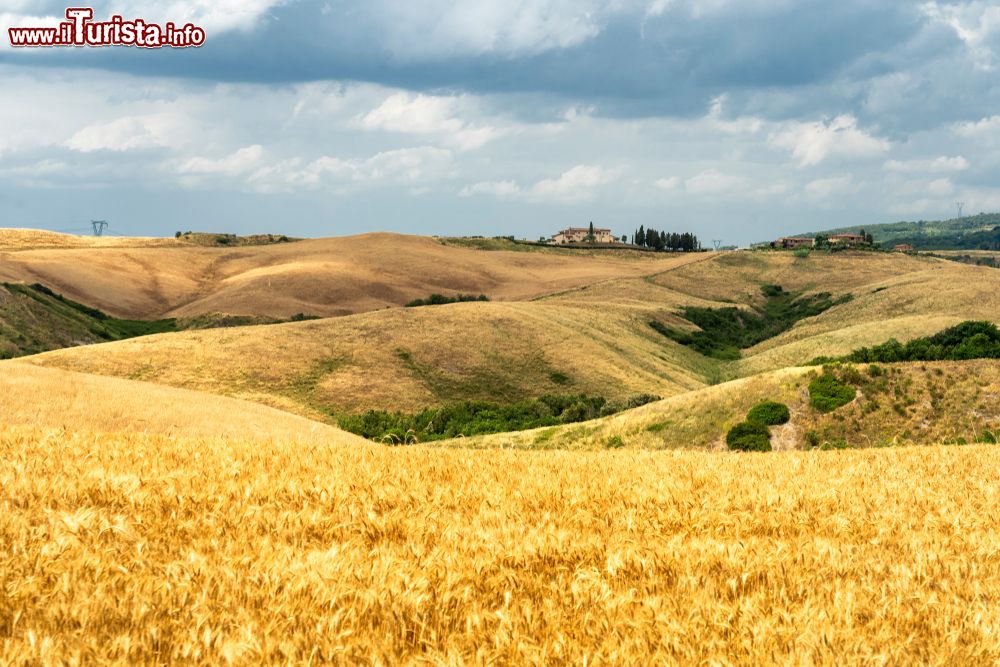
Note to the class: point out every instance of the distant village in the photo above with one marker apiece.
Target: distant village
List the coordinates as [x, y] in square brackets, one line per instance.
[861, 239]
[656, 240]
[648, 239]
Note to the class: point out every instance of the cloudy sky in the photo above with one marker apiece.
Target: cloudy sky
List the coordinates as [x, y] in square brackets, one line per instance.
[736, 119]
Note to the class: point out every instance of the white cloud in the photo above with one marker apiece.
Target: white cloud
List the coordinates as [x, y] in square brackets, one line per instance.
[713, 182]
[823, 188]
[402, 112]
[446, 28]
[42, 174]
[237, 163]
[941, 187]
[670, 183]
[11, 19]
[214, 16]
[741, 125]
[937, 165]
[812, 143]
[128, 133]
[428, 114]
[405, 166]
[577, 184]
[976, 24]
[498, 189]
[984, 128]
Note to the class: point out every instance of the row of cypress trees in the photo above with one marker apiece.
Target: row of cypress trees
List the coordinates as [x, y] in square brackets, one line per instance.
[659, 240]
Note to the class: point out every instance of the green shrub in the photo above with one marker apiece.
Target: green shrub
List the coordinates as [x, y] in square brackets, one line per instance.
[469, 418]
[827, 393]
[769, 413]
[615, 442]
[440, 300]
[968, 340]
[634, 401]
[834, 444]
[749, 437]
[559, 378]
[723, 332]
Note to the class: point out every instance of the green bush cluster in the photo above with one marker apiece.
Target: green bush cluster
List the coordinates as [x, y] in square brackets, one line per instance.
[469, 418]
[753, 435]
[749, 437]
[827, 393]
[440, 300]
[636, 401]
[968, 340]
[726, 331]
[769, 413]
[103, 325]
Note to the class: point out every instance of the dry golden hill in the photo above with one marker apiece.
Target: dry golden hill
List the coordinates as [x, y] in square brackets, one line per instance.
[143, 549]
[595, 339]
[893, 295]
[18, 239]
[323, 277]
[406, 358]
[75, 402]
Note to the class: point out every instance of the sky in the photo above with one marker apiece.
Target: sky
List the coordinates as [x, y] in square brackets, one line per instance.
[738, 120]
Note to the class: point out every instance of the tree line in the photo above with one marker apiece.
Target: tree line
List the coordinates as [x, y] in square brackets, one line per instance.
[659, 240]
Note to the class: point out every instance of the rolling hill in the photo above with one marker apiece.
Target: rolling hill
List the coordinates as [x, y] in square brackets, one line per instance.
[596, 339]
[166, 505]
[322, 277]
[50, 398]
[903, 403]
[34, 319]
[966, 233]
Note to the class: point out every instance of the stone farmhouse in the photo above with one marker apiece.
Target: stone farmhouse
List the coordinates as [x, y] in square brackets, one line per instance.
[792, 242]
[579, 235]
[847, 239]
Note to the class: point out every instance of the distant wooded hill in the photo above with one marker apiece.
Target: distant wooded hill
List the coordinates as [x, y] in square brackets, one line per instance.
[974, 232]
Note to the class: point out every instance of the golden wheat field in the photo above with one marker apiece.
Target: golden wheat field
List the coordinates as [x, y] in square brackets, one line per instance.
[145, 549]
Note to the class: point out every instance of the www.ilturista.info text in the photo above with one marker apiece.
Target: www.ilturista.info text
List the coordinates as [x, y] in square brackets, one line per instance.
[81, 30]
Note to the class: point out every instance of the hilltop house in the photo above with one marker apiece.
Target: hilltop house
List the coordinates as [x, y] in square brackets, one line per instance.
[904, 247]
[791, 242]
[847, 239]
[579, 235]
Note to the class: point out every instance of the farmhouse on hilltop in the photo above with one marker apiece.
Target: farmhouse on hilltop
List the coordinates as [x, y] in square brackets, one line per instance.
[580, 234]
[792, 242]
[847, 239]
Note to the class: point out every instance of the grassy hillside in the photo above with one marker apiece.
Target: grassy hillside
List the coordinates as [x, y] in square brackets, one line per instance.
[74, 402]
[146, 549]
[409, 358]
[326, 277]
[905, 403]
[595, 340]
[232, 240]
[968, 232]
[35, 319]
[18, 239]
